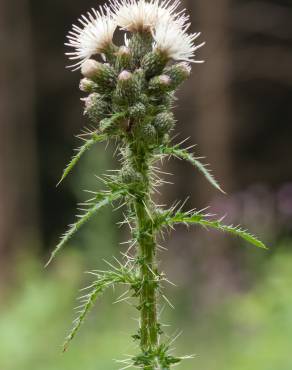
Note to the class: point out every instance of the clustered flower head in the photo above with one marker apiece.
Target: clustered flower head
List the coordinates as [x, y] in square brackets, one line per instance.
[131, 87]
[161, 19]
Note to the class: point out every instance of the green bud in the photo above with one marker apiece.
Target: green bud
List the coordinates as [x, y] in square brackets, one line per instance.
[153, 63]
[147, 133]
[95, 107]
[86, 85]
[101, 73]
[164, 123]
[160, 84]
[137, 111]
[178, 73]
[128, 88]
[140, 78]
[124, 58]
[163, 101]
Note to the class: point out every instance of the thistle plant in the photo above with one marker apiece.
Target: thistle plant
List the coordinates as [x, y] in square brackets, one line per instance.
[130, 95]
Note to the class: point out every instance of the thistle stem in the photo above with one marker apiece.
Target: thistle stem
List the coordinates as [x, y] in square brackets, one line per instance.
[146, 254]
[148, 301]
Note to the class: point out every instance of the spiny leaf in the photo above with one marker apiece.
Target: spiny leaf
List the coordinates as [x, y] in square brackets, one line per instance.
[178, 152]
[90, 299]
[105, 280]
[102, 199]
[80, 151]
[198, 218]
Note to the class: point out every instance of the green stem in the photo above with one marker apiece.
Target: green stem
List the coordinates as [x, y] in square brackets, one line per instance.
[148, 301]
[146, 254]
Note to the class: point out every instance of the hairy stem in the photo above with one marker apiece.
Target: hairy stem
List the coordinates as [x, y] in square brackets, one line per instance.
[146, 255]
[147, 251]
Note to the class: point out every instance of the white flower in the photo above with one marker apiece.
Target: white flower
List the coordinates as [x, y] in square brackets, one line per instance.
[143, 15]
[173, 40]
[92, 37]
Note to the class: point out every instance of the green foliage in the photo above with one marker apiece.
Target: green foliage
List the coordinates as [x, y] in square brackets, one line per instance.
[104, 280]
[88, 143]
[180, 153]
[94, 205]
[171, 218]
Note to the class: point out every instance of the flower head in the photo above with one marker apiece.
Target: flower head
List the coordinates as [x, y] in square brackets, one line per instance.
[93, 36]
[143, 15]
[172, 39]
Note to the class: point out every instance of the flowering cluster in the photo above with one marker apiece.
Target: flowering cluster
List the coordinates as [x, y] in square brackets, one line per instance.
[134, 82]
[166, 27]
[130, 94]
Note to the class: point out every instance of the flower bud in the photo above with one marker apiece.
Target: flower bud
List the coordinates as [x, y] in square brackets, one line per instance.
[145, 132]
[86, 85]
[103, 75]
[164, 123]
[95, 107]
[149, 134]
[137, 111]
[160, 84]
[128, 88]
[90, 68]
[153, 63]
[125, 76]
[178, 73]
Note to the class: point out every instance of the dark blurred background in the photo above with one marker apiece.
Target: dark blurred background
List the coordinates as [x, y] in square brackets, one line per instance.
[233, 302]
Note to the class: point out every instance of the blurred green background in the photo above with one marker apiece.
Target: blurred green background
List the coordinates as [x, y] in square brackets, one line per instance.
[233, 303]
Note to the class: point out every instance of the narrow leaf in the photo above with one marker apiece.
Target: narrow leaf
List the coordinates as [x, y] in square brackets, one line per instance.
[84, 310]
[204, 220]
[178, 152]
[104, 280]
[103, 199]
[80, 151]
